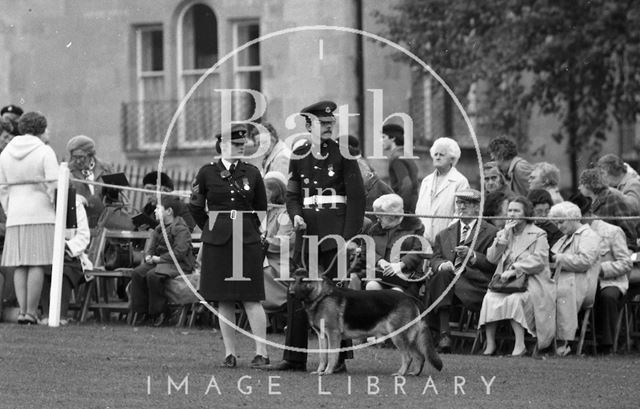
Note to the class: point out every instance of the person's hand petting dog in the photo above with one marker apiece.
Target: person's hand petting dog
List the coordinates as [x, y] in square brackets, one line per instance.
[393, 269]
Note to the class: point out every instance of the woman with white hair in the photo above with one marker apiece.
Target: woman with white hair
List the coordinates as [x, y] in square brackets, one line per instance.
[577, 260]
[437, 191]
[396, 271]
[546, 176]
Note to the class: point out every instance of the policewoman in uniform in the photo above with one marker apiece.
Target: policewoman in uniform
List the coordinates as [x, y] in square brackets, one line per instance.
[325, 195]
[223, 188]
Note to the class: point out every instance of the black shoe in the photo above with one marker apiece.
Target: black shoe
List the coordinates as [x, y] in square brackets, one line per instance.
[444, 346]
[340, 368]
[259, 362]
[285, 365]
[229, 362]
[159, 321]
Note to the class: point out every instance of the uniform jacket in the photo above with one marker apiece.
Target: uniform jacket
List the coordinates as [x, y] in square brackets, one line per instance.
[531, 256]
[179, 241]
[615, 256]
[479, 272]
[333, 175]
[385, 240]
[576, 276]
[222, 192]
[441, 204]
[403, 178]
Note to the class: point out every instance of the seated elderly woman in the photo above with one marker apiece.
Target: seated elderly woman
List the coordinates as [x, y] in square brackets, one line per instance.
[546, 176]
[84, 165]
[577, 265]
[401, 271]
[615, 265]
[520, 248]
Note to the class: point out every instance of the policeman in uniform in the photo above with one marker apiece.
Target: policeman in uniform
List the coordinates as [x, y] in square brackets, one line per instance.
[325, 195]
[224, 188]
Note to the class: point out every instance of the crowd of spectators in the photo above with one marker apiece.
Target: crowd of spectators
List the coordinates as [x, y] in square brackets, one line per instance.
[569, 263]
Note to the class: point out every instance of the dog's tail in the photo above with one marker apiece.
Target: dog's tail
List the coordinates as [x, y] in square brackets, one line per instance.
[426, 343]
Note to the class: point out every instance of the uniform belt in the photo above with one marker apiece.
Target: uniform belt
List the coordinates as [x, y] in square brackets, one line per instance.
[321, 200]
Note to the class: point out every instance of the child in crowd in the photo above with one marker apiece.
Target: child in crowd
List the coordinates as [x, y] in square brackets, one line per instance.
[148, 280]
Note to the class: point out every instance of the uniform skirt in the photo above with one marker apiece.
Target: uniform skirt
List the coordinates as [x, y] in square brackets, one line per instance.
[217, 264]
[28, 245]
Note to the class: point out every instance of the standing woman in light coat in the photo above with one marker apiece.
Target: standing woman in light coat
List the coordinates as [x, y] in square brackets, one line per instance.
[30, 210]
[577, 265]
[437, 191]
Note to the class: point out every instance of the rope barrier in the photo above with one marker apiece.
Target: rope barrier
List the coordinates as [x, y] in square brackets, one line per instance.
[421, 216]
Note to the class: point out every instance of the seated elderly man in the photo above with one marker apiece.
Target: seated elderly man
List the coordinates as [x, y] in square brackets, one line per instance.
[613, 281]
[403, 270]
[451, 246]
[577, 265]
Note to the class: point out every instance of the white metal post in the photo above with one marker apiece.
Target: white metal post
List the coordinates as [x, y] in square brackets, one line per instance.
[58, 245]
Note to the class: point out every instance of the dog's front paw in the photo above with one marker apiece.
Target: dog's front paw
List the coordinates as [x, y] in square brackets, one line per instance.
[400, 373]
[318, 372]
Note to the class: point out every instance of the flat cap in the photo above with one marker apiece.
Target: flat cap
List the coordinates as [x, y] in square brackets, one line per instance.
[469, 195]
[322, 109]
[393, 130]
[12, 109]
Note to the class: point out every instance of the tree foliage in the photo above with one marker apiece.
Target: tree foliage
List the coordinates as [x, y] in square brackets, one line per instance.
[575, 59]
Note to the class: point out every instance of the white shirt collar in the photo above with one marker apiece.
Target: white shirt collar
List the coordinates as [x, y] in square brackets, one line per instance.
[228, 164]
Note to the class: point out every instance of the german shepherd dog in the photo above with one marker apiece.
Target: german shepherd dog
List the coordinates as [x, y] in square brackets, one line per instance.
[338, 313]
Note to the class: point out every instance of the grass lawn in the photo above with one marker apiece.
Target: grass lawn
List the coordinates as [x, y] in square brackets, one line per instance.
[116, 366]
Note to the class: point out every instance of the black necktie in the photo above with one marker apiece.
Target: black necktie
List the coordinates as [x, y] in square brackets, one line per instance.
[232, 168]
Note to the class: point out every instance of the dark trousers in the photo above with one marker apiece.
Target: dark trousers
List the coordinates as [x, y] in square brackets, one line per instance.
[607, 308]
[438, 319]
[147, 290]
[297, 334]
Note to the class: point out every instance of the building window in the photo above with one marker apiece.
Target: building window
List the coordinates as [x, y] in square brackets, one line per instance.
[247, 70]
[197, 52]
[145, 119]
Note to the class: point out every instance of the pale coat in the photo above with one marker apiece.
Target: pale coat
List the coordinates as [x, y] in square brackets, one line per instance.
[576, 275]
[531, 256]
[277, 160]
[615, 256]
[27, 158]
[442, 203]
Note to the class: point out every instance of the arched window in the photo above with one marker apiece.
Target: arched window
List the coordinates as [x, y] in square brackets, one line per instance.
[197, 52]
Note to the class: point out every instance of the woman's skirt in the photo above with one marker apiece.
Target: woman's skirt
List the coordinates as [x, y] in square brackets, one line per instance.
[501, 306]
[28, 245]
[217, 265]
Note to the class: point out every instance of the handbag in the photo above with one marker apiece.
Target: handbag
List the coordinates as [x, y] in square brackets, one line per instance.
[515, 284]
